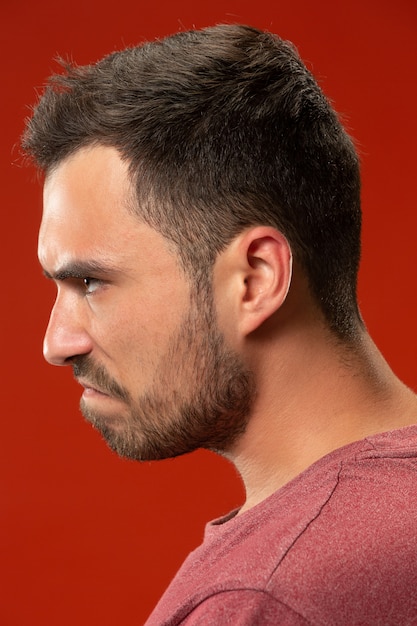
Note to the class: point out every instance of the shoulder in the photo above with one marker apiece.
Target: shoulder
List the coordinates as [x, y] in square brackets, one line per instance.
[357, 558]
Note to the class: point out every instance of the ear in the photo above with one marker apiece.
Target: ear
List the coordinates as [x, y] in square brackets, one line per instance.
[256, 271]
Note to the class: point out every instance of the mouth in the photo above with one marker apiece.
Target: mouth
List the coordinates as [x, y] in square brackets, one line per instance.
[89, 389]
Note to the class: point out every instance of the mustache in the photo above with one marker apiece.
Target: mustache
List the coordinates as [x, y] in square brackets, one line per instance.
[84, 367]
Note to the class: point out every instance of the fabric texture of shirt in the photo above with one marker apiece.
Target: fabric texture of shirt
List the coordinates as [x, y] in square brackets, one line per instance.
[335, 546]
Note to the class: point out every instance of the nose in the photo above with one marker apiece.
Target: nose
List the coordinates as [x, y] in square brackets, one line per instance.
[66, 335]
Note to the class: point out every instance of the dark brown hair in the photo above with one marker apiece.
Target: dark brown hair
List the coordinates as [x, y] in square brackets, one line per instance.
[222, 128]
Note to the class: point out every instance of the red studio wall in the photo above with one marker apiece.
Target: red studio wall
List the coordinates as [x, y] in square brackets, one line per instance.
[87, 538]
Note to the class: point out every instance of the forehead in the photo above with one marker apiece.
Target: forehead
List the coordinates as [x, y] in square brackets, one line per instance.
[88, 221]
[92, 183]
[86, 204]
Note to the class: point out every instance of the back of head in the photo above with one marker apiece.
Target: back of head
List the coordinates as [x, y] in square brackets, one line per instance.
[222, 129]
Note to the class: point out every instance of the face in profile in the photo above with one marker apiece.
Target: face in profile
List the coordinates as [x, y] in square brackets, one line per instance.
[158, 377]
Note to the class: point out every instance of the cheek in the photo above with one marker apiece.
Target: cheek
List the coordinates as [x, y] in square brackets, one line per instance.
[136, 325]
[132, 337]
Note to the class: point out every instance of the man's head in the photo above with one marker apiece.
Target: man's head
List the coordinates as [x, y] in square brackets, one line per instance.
[160, 161]
[221, 129]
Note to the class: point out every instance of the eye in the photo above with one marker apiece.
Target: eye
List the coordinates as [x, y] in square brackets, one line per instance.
[91, 284]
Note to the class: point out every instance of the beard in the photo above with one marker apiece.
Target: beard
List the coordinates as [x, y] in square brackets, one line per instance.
[200, 396]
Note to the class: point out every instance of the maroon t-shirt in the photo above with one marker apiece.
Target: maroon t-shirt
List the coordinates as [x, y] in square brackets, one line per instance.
[335, 546]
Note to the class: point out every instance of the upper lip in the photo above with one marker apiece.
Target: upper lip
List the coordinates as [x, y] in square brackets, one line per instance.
[87, 385]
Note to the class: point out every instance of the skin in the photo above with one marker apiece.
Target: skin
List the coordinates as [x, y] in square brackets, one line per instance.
[251, 371]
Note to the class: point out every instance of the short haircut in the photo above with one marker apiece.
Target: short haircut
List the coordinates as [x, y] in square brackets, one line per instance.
[222, 128]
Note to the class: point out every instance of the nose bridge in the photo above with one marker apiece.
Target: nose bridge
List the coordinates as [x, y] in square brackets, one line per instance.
[66, 335]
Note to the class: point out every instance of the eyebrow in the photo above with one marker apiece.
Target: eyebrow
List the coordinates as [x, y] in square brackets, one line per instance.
[80, 269]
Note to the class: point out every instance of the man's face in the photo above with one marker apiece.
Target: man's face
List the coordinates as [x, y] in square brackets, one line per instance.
[158, 378]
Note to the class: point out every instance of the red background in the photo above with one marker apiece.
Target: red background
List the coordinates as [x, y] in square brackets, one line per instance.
[87, 538]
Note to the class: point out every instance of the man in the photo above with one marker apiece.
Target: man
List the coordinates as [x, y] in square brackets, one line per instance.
[202, 224]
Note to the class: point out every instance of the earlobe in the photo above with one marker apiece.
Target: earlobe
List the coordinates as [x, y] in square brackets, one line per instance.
[267, 278]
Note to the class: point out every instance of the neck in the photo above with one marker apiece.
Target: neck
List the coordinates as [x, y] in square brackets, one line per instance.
[320, 397]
